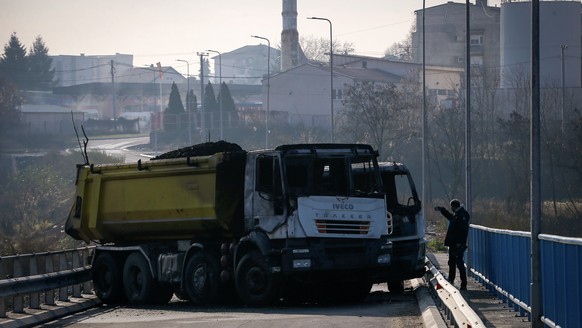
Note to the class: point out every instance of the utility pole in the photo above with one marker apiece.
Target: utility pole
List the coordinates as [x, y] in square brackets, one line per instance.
[113, 89]
[202, 104]
[468, 182]
[219, 89]
[424, 118]
[535, 172]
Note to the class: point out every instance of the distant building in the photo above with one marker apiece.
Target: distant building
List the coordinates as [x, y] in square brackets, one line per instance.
[50, 119]
[151, 74]
[74, 70]
[301, 95]
[446, 34]
[560, 39]
[83, 69]
[500, 40]
[246, 65]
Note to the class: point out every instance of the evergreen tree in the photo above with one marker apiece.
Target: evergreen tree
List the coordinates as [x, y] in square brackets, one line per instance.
[42, 74]
[192, 100]
[13, 64]
[210, 104]
[175, 105]
[227, 101]
[10, 102]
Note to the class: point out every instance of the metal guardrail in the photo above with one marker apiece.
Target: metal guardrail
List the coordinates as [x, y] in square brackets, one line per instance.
[500, 259]
[31, 280]
[457, 310]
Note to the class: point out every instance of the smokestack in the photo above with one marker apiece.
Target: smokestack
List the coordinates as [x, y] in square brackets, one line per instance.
[290, 50]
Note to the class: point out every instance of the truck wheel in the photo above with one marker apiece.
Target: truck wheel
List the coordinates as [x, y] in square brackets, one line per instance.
[255, 284]
[202, 279]
[138, 283]
[396, 287]
[107, 278]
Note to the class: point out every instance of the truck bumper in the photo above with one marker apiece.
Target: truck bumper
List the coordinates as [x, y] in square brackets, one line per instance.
[348, 260]
[407, 260]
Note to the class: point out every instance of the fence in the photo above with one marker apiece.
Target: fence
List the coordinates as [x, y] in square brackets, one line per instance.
[31, 280]
[501, 260]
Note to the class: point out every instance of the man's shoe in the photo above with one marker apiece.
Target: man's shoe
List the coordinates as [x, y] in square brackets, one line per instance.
[463, 287]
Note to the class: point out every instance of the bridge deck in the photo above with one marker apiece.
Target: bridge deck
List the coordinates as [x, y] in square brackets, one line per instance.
[492, 311]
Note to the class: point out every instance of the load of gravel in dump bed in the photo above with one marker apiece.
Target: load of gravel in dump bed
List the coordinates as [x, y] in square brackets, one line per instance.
[203, 149]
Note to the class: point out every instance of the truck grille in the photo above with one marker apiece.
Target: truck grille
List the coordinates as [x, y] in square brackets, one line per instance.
[342, 227]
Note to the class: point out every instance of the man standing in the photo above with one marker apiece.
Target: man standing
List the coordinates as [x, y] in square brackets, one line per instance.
[456, 239]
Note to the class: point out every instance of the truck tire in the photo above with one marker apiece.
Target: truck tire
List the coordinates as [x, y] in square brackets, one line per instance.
[108, 279]
[396, 286]
[138, 283]
[255, 283]
[202, 279]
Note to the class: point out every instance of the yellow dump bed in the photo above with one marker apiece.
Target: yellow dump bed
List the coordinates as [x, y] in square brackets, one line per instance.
[169, 199]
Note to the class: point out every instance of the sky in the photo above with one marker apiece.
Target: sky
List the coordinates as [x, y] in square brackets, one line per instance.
[164, 31]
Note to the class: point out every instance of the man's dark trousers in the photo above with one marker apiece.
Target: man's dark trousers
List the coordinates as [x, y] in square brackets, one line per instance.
[456, 255]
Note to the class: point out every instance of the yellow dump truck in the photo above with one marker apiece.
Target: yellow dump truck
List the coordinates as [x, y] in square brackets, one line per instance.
[258, 226]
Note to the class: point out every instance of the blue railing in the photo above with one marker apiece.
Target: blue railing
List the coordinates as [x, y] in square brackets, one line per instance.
[501, 260]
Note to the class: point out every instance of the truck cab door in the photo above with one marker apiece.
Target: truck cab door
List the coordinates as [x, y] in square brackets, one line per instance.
[268, 196]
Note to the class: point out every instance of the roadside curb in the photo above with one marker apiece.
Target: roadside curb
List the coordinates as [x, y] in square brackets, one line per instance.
[431, 315]
[33, 317]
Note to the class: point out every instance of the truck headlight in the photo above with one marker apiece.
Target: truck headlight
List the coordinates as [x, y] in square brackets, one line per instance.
[384, 259]
[302, 264]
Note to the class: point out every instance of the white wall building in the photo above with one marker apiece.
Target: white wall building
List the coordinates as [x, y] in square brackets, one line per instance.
[302, 94]
[246, 65]
[82, 69]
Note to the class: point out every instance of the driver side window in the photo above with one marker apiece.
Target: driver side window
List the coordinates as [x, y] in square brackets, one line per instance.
[268, 182]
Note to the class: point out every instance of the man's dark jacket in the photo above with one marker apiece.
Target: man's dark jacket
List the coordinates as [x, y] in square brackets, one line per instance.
[458, 226]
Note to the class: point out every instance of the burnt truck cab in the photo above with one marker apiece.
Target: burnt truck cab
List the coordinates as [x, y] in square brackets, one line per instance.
[404, 206]
[318, 213]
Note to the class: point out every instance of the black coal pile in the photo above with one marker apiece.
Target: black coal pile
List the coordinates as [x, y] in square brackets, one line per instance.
[203, 149]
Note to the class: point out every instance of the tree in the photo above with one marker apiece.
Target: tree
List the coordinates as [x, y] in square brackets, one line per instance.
[226, 98]
[205, 68]
[31, 71]
[14, 63]
[210, 104]
[318, 48]
[374, 114]
[175, 105]
[10, 102]
[35, 199]
[447, 142]
[515, 154]
[42, 74]
[402, 50]
[191, 101]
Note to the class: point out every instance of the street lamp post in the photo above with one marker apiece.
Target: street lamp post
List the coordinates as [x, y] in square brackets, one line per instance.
[156, 117]
[220, 89]
[268, 87]
[330, 69]
[187, 102]
[202, 103]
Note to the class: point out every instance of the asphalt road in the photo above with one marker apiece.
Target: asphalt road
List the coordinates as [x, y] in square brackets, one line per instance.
[121, 147]
[379, 309]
